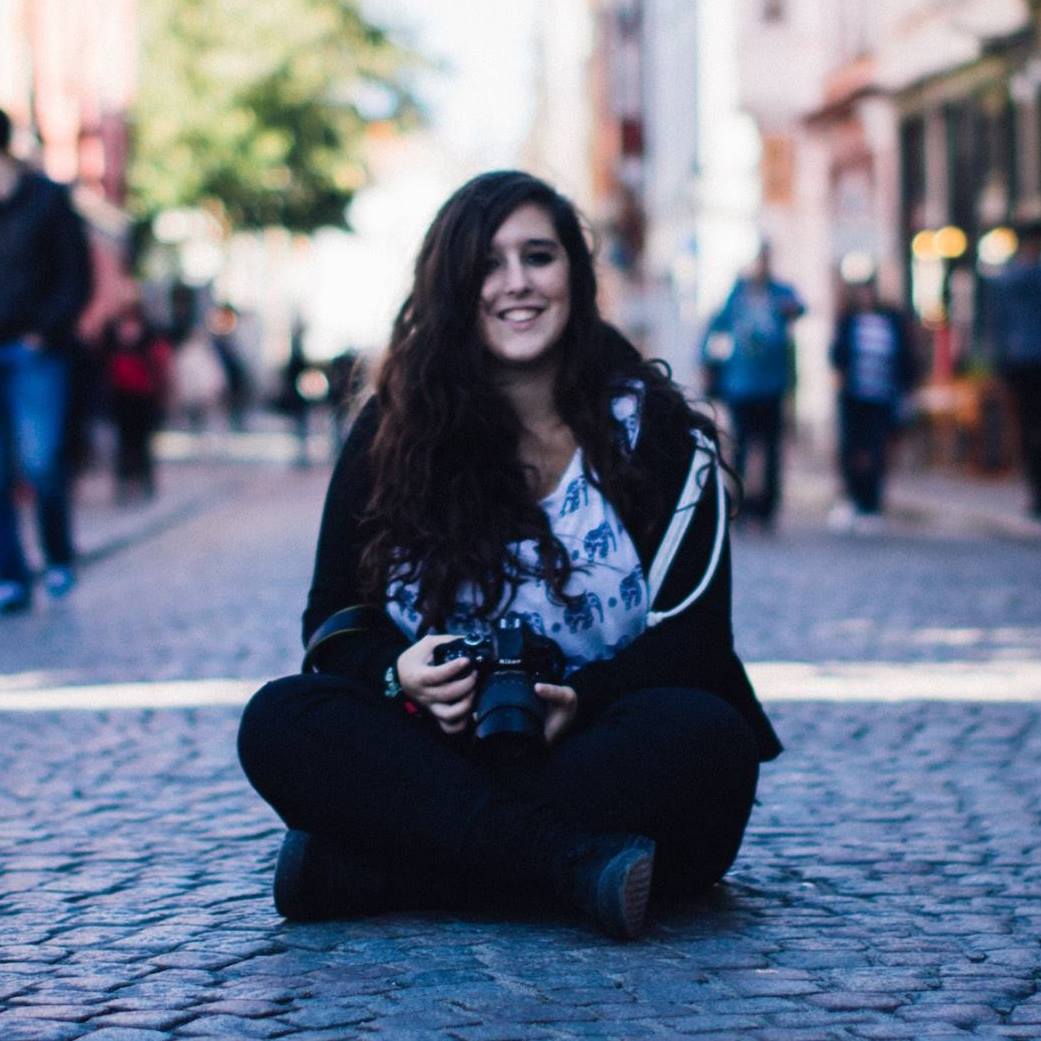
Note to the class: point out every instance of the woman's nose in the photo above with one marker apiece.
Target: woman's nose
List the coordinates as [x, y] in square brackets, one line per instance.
[516, 276]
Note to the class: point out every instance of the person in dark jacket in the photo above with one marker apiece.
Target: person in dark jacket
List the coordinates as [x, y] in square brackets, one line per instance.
[517, 471]
[873, 357]
[1014, 326]
[45, 283]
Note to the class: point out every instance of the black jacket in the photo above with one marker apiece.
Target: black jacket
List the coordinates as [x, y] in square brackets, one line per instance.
[693, 649]
[44, 262]
[888, 379]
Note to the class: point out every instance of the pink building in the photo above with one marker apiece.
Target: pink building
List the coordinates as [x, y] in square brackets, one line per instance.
[67, 74]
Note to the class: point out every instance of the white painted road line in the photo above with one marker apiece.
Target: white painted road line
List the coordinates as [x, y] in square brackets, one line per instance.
[886, 681]
[105, 696]
[774, 681]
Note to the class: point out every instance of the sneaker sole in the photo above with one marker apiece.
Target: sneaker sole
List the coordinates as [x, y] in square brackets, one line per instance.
[625, 890]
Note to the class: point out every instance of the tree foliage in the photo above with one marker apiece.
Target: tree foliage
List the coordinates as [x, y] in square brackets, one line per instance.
[258, 110]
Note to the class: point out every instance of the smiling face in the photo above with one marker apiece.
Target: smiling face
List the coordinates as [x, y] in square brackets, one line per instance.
[526, 295]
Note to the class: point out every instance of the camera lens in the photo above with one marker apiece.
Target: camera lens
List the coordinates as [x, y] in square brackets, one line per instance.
[508, 705]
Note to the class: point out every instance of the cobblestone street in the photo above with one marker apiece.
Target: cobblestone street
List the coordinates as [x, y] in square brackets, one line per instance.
[888, 888]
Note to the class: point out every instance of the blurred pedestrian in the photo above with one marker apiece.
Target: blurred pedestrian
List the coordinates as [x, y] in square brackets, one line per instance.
[223, 326]
[138, 362]
[348, 374]
[873, 356]
[515, 473]
[199, 383]
[1014, 308]
[748, 357]
[300, 387]
[45, 282]
[184, 314]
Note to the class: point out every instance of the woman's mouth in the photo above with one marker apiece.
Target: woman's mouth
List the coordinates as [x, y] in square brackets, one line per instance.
[519, 317]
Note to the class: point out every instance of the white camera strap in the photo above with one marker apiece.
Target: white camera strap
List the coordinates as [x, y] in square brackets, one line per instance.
[702, 459]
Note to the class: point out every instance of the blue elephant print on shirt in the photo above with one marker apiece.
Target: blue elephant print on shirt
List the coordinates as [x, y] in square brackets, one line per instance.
[631, 590]
[405, 598]
[580, 615]
[599, 542]
[575, 496]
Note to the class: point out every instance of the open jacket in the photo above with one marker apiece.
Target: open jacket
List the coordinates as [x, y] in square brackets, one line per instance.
[892, 377]
[45, 275]
[695, 648]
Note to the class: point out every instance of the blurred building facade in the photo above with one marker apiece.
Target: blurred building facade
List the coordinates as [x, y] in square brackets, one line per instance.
[673, 167]
[67, 74]
[558, 142]
[901, 139]
[617, 156]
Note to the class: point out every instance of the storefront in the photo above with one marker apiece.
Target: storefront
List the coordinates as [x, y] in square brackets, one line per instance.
[970, 181]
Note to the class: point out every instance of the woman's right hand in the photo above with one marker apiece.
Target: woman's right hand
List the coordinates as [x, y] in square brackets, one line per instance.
[445, 691]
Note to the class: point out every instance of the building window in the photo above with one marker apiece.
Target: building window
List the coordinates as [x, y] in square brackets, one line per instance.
[773, 10]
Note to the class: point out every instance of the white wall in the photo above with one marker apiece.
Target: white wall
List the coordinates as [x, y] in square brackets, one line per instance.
[701, 189]
[671, 57]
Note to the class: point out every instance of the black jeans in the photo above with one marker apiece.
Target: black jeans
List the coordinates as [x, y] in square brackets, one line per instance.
[677, 765]
[759, 423]
[865, 428]
[136, 418]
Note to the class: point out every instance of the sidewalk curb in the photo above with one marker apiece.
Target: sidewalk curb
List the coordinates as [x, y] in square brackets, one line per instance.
[151, 526]
[98, 539]
[814, 488]
[960, 517]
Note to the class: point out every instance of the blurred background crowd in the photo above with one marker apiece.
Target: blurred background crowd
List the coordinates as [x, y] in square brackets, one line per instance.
[253, 179]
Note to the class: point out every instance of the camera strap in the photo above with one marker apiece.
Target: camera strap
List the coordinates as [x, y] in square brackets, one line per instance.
[347, 621]
[703, 461]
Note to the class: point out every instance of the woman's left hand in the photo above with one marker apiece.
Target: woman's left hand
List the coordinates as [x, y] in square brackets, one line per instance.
[561, 708]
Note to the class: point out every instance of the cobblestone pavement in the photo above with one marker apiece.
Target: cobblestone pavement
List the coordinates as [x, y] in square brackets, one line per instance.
[888, 887]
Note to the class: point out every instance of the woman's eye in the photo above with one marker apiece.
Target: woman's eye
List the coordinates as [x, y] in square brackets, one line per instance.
[541, 258]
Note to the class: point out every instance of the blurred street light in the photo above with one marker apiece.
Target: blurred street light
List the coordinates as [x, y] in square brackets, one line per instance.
[997, 247]
[857, 267]
[950, 242]
[923, 245]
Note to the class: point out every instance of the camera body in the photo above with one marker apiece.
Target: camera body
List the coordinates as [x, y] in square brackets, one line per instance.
[509, 661]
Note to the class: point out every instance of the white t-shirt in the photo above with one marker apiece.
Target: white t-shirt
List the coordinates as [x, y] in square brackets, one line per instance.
[610, 609]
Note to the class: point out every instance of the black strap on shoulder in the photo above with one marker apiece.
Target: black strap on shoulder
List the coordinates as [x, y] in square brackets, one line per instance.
[348, 621]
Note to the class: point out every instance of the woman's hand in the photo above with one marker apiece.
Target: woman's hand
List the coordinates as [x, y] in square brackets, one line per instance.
[561, 708]
[445, 691]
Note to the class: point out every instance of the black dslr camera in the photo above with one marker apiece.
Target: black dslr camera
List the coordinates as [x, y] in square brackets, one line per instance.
[510, 660]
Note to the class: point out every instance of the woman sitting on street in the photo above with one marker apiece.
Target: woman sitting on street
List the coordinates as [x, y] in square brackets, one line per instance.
[512, 483]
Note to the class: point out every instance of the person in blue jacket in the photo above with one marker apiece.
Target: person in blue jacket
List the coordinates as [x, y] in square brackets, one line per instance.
[752, 373]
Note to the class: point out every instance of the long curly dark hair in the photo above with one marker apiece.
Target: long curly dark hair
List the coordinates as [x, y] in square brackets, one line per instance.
[450, 496]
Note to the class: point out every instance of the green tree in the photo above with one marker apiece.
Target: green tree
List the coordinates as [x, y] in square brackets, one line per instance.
[257, 109]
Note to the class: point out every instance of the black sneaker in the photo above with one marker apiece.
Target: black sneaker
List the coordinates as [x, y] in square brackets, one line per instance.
[316, 879]
[609, 878]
